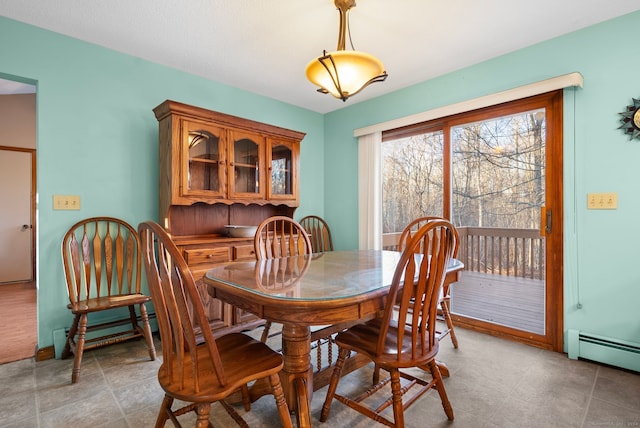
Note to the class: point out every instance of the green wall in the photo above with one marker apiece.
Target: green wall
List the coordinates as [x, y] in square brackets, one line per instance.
[601, 247]
[97, 137]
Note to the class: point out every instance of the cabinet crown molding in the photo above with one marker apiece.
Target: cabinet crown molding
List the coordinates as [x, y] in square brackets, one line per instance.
[170, 107]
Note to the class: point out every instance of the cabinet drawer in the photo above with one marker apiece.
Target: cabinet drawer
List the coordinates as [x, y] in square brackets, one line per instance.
[244, 252]
[206, 255]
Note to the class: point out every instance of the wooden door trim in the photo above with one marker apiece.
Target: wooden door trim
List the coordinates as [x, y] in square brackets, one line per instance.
[554, 164]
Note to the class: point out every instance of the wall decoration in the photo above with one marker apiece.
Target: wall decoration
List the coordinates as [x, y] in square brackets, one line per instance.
[631, 120]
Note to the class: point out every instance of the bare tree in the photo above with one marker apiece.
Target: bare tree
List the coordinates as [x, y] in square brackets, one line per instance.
[412, 179]
[497, 174]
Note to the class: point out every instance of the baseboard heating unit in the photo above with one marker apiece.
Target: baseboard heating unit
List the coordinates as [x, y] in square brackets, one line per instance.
[606, 350]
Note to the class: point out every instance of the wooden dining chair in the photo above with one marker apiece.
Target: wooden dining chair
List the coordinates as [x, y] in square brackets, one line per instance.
[322, 336]
[319, 232]
[102, 268]
[279, 236]
[199, 372]
[445, 298]
[404, 336]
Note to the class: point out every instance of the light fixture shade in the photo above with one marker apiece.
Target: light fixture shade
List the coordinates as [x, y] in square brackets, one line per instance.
[344, 73]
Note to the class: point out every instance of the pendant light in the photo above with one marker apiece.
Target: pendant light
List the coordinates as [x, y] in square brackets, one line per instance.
[344, 73]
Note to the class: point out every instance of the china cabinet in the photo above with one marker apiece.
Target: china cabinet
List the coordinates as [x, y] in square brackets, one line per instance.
[218, 170]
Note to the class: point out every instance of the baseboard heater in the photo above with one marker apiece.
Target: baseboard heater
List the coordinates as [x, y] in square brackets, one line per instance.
[607, 350]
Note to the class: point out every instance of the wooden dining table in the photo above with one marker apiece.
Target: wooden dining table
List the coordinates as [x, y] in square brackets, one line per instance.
[311, 290]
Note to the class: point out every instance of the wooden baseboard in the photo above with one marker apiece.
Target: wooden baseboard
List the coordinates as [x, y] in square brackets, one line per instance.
[45, 353]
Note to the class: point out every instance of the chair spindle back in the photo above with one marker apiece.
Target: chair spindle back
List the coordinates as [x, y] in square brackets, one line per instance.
[320, 233]
[101, 258]
[415, 290]
[178, 308]
[414, 226]
[280, 236]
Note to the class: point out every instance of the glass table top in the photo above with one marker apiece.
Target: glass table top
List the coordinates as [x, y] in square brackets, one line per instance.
[321, 276]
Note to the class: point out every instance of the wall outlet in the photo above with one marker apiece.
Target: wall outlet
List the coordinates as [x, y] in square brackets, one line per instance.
[602, 201]
[66, 202]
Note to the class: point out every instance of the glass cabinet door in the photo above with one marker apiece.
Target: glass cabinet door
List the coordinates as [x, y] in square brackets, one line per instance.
[246, 174]
[282, 170]
[205, 160]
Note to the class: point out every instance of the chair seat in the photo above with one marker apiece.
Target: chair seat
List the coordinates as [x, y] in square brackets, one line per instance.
[105, 302]
[242, 357]
[363, 338]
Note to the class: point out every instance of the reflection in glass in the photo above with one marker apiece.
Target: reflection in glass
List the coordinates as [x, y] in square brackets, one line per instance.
[204, 160]
[245, 157]
[281, 170]
[281, 275]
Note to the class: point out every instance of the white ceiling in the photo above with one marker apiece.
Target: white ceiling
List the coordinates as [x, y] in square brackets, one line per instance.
[263, 46]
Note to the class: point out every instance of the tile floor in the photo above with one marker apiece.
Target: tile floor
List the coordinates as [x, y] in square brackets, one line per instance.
[494, 383]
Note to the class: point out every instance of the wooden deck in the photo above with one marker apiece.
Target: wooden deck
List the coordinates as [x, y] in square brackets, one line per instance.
[503, 278]
[506, 300]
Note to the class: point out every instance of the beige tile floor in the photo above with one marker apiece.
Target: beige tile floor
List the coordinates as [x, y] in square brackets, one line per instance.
[494, 383]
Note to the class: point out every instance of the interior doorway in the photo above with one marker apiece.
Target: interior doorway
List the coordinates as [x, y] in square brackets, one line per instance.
[16, 237]
[18, 288]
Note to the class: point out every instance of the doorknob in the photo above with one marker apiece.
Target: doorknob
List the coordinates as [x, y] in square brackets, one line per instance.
[26, 227]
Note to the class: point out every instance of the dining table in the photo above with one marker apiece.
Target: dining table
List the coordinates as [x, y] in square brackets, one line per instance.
[330, 288]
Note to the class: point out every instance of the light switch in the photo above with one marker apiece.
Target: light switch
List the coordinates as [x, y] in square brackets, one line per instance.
[66, 202]
[602, 201]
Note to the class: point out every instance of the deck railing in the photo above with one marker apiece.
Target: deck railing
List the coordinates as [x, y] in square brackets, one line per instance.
[511, 252]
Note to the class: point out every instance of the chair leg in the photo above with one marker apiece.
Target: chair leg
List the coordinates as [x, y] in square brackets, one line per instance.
[66, 352]
[246, 397]
[133, 317]
[281, 403]
[165, 410]
[439, 385]
[202, 410]
[376, 375]
[398, 411]
[444, 305]
[77, 361]
[333, 383]
[146, 332]
[265, 332]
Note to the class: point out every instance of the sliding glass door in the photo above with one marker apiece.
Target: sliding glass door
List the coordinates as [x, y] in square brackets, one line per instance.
[496, 173]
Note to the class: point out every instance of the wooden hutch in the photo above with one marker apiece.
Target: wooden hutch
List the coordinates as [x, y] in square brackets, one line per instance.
[217, 170]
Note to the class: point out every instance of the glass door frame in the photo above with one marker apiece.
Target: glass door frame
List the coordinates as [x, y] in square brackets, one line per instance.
[552, 103]
[552, 339]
